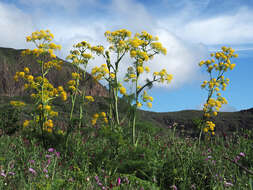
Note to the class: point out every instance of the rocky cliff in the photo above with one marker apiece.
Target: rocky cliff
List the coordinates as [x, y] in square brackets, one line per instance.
[11, 61]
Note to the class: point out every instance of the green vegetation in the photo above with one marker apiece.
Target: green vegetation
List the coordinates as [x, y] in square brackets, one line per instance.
[98, 158]
[51, 142]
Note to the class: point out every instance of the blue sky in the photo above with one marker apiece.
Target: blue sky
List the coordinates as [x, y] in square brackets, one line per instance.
[189, 29]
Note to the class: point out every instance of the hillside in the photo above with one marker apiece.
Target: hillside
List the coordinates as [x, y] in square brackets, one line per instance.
[11, 61]
[226, 122]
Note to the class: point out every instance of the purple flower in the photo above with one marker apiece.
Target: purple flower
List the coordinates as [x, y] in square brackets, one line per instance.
[242, 154]
[51, 150]
[45, 170]
[31, 161]
[173, 187]
[3, 174]
[96, 177]
[48, 156]
[57, 154]
[11, 173]
[32, 170]
[237, 158]
[46, 176]
[118, 181]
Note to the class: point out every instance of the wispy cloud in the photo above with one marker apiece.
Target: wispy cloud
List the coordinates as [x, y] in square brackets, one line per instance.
[14, 26]
[216, 29]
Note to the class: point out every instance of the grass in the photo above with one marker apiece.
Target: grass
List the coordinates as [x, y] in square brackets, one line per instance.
[98, 158]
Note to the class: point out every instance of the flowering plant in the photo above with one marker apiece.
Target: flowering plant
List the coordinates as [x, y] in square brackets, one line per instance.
[217, 81]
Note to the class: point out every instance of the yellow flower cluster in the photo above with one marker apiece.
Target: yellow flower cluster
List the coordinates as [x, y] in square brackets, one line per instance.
[74, 82]
[163, 76]
[216, 84]
[146, 98]
[89, 98]
[72, 85]
[53, 63]
[209, 126]
[96, 116]
[42, 41]
[39, 35]
[98, 49]
[122, 33]
[62, 93]
[79, 56]
[223, 60]
[48, 126]
[136, 42]
[76, 75]
[17, 104]
[139, 55]
[213, 106]
[119, 40]
[26, 123]
[139, 104]
[122, 89]
[148, 43]
[158, 47]
[47, 110]
[100, 72]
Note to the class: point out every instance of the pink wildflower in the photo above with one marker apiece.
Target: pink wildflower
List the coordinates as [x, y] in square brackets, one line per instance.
[32, 170]
[51, 150]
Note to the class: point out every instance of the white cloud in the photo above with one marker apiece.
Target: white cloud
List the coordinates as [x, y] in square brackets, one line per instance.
[14, 26]
[221, 29]
[131, 14]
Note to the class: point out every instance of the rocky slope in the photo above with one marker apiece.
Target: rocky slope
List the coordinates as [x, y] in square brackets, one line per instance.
[11, 61]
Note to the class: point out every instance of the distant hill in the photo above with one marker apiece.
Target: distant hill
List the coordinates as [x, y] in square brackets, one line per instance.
[226, 122]
[11, 61]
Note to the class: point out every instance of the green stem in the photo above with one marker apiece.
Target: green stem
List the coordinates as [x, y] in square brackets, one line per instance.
[42, 116]
[73, 100]
[200, 134]
[134, 112]
[116, 113]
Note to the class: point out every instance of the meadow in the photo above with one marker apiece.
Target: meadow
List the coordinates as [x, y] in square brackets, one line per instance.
[60, 138]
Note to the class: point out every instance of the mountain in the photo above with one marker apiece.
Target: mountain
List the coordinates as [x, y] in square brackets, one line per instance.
[11, 61]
